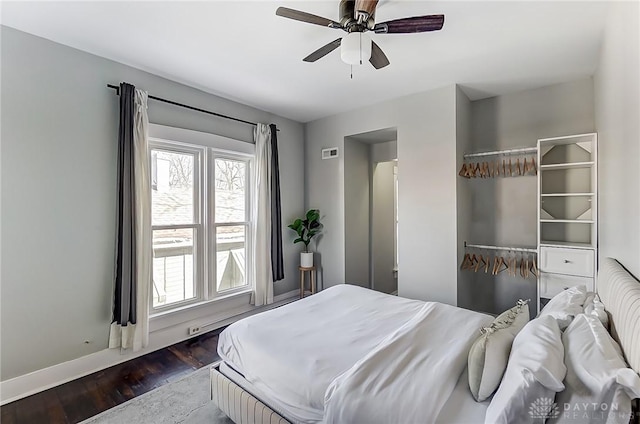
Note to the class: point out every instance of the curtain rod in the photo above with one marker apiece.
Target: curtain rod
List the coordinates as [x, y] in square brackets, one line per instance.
[171, 102]
[515, 249]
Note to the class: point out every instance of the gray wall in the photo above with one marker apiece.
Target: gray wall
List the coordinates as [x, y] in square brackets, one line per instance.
[384, 151]
[617, 97]
[426, 126]
[356, 213]
[59, 138]
[503, 210]
[469, 295]
[383, 227]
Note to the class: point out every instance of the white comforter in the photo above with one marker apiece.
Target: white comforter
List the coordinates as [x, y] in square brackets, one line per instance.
[291, 354]
[411, 374]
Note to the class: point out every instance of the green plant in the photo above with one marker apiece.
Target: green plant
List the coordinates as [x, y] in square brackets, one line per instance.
[307, 227]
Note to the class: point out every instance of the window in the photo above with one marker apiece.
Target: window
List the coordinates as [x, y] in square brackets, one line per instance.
[201, 226]
[231, 223]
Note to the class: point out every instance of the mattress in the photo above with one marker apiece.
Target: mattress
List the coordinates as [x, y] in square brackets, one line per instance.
[461, 407]
[332, 331]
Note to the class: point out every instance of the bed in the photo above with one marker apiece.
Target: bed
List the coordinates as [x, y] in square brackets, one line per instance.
[348, 348]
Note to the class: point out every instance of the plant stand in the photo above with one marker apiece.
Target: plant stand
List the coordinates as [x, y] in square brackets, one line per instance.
[312, 278]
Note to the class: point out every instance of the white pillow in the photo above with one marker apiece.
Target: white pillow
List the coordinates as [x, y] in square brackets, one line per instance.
[599, 385]
[566, 305]
[489, 354]
[588, 300]
[594, 307]
[533, 376]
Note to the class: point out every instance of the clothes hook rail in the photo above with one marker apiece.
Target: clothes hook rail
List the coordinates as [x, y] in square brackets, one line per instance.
[502, 152]
[513, 249]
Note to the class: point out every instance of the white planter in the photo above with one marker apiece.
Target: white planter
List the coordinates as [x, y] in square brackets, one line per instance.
[306, 259]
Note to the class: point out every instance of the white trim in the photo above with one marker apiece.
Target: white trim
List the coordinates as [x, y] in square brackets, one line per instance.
[46, 378]
[210, 310]
[199, 138]
[206, 148]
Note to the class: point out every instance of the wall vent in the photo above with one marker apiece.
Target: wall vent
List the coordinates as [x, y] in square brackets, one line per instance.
[330, 153]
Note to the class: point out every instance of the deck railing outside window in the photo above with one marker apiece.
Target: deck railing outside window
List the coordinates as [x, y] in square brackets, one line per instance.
[173, 269]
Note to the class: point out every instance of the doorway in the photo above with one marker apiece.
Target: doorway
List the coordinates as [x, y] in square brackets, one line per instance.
[370, 178]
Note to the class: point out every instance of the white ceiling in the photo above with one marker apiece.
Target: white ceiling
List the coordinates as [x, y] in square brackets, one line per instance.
[242, 51]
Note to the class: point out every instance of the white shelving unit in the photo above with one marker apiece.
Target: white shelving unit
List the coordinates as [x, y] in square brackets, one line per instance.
[567, 213]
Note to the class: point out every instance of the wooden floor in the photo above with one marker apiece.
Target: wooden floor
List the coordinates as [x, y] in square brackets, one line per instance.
[85, 397]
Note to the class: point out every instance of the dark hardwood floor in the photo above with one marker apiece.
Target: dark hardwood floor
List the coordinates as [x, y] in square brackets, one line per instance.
[87, 396]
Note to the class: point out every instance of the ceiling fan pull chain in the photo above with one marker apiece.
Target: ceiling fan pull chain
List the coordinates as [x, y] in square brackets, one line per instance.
[360, 38]
[351, 66]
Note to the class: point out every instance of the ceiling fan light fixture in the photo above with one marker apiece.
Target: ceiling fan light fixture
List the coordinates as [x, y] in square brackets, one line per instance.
[355, 48]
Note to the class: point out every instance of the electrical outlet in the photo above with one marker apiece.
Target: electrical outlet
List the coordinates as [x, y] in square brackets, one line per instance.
[194, 330]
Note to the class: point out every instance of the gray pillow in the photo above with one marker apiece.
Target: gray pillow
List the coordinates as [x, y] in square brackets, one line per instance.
[489, 354]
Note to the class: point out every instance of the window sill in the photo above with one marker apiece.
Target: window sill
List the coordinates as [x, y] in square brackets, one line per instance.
[208, 311]
[198, 304]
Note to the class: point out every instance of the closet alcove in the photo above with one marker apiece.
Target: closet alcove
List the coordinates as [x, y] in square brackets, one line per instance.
[502, 211]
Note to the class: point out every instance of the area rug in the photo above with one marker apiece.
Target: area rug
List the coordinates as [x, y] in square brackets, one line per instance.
[183, 401]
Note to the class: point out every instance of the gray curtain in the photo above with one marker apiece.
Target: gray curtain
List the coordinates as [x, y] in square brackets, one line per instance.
[124, 307]
[277, 263]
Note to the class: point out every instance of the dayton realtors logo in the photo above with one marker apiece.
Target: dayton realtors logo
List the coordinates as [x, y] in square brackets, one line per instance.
[601, 412]
[544, 408]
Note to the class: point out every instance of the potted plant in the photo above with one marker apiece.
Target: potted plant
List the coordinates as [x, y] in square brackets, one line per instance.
[307, 228]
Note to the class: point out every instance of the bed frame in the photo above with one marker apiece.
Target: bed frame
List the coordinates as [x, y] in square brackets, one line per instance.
[620, 293]
[239, 405]
[617, 288]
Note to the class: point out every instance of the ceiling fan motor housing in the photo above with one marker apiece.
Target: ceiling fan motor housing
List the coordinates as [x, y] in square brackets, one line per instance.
[346, 13]
[355, 21]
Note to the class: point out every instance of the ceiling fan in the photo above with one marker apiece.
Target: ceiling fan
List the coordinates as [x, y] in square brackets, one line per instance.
[356, 18]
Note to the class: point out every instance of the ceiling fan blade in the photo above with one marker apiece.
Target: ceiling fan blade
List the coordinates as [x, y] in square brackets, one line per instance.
[323, 51]
[409, 25]
[297, 15]
[378, 59]
[365, 6]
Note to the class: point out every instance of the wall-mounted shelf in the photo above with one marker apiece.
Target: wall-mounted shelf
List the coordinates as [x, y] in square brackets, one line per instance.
[567, 165]
[567, 194]
[569, 221]
[550, 243]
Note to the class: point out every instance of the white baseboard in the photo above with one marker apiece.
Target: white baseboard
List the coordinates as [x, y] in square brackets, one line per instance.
[46, 378]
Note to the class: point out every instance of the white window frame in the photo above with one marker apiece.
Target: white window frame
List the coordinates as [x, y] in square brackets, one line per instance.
[395, 216]
[213, 225]
[206, 148]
